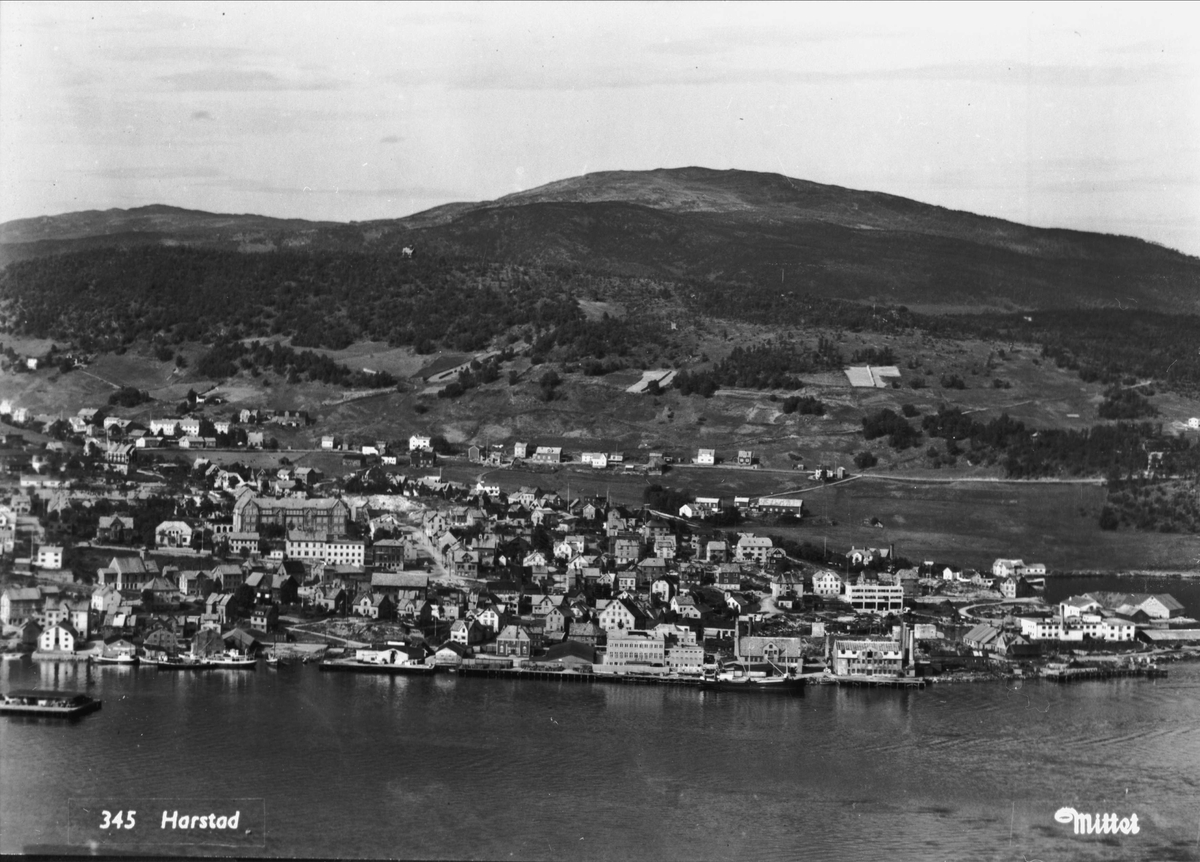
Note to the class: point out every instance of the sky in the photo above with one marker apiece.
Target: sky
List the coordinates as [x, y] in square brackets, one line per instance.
[1083, 115]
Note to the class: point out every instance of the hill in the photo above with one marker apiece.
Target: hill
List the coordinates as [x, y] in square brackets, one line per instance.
[765, 232]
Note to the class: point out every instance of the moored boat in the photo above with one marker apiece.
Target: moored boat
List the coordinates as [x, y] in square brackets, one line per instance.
[50, 703]
[117, 659]
[743, 677]
[233, 659]
[776, 685]
[181, 662]
[355, 666]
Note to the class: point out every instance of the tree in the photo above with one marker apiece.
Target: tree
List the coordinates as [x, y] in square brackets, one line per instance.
[865, 459]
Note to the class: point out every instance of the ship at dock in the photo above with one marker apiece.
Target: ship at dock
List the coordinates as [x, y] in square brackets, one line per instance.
[755, 677]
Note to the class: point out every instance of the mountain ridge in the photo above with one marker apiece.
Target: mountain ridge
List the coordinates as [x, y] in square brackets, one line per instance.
[740, 227]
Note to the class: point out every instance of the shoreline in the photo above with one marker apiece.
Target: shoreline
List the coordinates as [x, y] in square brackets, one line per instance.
[1172, 574]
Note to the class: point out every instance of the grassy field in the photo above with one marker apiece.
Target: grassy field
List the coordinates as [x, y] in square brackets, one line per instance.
[968, 523]
[974, 523]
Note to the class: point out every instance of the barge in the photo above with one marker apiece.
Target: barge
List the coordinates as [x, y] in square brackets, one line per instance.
[49, 703]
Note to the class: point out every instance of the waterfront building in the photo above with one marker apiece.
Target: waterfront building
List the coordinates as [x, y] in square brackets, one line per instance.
[1160, 606]
[685, 658]
[58, 638]
[636, 646]
[781, 651]
[18, 604]
[518, 641]
[1077, 628]
[867, 657]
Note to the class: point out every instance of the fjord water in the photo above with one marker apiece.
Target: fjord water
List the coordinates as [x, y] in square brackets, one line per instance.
[447, 767]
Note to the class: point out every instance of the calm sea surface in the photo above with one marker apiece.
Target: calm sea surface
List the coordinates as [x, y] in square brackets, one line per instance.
[444, 767]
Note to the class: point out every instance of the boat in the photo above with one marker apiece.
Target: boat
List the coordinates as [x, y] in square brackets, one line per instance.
[116, 659]
[273, 661]
[355, 666]
[233, 659]
[181, 662]
[746, 677]
[46, 702]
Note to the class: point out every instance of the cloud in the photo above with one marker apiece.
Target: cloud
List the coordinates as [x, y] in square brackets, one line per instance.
[242, 80]
[201, 115]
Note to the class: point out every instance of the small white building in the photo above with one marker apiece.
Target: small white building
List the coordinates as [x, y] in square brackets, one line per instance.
[418, 442]
[49, 557]
[827, 584]
[875, 598]
[1017, 568]
[59, 638]
[706, 457]
[756, 548]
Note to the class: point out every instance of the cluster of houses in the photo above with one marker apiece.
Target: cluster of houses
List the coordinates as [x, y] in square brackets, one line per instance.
[465, 572]
[1092, 618]
[527, 575]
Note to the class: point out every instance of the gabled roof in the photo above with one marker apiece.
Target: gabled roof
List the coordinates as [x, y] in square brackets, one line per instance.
[132, 565]
[240, 637]
[983, 634]
[458, 649]
[570, 649]
[401, 580]
[514, 632]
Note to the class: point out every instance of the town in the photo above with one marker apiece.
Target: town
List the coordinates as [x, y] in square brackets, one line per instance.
[388, 566]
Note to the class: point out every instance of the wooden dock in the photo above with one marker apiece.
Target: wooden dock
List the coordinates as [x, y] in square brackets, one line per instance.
[575, 676]
[1080, 674]
[866, 681]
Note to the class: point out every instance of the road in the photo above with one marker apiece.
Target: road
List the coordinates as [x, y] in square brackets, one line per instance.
[992, 480]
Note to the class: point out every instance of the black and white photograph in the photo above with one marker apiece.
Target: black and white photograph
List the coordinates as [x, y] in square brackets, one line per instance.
[600, 432]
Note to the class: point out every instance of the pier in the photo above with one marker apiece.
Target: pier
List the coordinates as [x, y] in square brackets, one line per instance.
[1078, 674]
[575, 676]
[865, 681]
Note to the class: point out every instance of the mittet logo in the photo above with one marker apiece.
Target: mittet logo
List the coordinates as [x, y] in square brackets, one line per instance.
[1098, 824]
